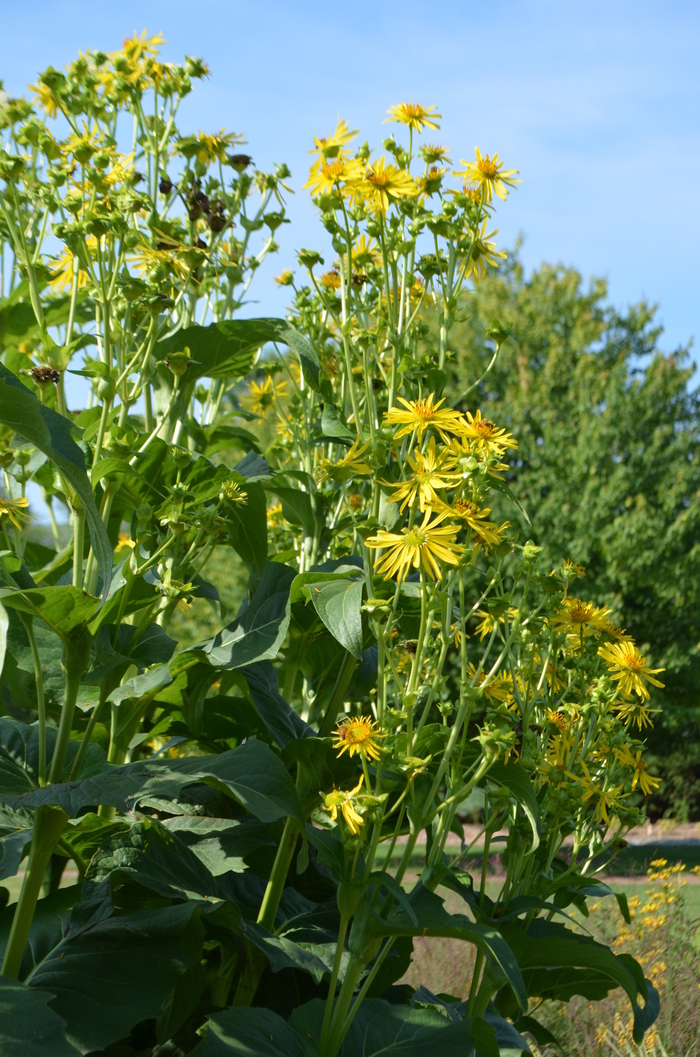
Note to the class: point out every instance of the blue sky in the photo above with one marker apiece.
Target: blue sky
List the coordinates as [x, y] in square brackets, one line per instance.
[595, 103]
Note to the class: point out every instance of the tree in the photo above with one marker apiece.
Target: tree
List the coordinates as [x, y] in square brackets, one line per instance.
[608, 470]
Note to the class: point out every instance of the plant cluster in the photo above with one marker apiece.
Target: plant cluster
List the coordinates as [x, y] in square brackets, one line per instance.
[233, 808]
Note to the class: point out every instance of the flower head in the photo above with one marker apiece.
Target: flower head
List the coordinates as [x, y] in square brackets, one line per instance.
[484, 435]
[476, 518]
[15, 510]
[414, 115]
[628, 667]
[332, 146]
[489, 175]
[260, 396]
[430, 471]
[358, 736]
[342, 799]
[640, 773]
[421, 548]
[351, 465]
[382, 184]
[435, 153]
[421, 415]
[580, 618]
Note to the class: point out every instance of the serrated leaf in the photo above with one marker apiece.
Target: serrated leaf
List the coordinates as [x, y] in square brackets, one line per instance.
[259, 630]
[28, 1026]
[249, 1032]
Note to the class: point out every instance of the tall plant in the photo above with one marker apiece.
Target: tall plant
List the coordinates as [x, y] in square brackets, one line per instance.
[253, 862]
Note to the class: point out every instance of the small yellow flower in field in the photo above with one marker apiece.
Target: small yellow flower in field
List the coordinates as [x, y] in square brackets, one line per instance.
[342, 799]
[422, 415]
[365, 253]
[260, 396]
[647, 783]
[382, 184]
[488, 173]
[627, 666]
[558, 719]
[285, 278]
[331, 280]
[124, 543]
[571, 569]
[607, 799]
[414, 115]
[275, 515]
[358, 736]
[136, 48]
[484, 435]
[430, 471]
[418, 548]
[15, 510]
[351, 465]
[499, 689]
[332, 146]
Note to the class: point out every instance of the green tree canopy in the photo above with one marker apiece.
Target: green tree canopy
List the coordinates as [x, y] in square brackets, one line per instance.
[608, 469]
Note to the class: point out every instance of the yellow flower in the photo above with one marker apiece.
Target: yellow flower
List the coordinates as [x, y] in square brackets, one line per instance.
[46, 98]
[15, 510]
[260, 396]
[499, 689]
[233, 492]
[275, 515]
[62, 272]
[431, 180]
[631, 712]
[124, 543]
[414, 115]
[285, 278]
[351, 465]
[332, 146]
[488, 174]
[420, 548]
[571, 569]
[476, 518]
[338, 174]
[365, 253]
[343, 799]
[581, 618]
[381, 184]
[647, 783]
[607, 799]
[358, 736]
[484, 435]
[331, 280]
[628, 667]
[421, 415]
[143, 47]
[483, 253]
[430, 471]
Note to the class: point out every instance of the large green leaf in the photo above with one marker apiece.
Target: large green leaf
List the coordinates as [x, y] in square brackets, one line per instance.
[380, 1028]
[247, 529]
[15, 836]
[249, 1033]
[51, 433]
[252, 774]
[114, 973]
[19, 755]
[428, 917]
[296, 506]
[28, 1027]
[49, 926]
[551, 947]
[279, 717]
[62, 609]
[220, 843]
[517, 780]
[339, 605]
[259, 630]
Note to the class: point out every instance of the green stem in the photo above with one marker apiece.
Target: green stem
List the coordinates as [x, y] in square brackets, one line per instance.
[78, 544]
[48, 826]
[341, 685]
[40, 703]
[74, 664]
[339, 948]
[280, 869]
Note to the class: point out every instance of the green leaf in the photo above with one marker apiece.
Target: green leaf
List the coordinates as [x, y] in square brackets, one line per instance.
[15, 836]
[28, 1027]
[391, 1030]
[332, 426]
[220, 843]
[247, 529]
[51, 433]
[318, 575]
[260, 629]
[338, 604]
[221, 350]
[433, 920]
[279, 717]
[308, 359]
[251, 774]
[250, 1033]
[501, 486]
[63, 608]
[19, 755]
[296, 507]
[49, 926]
[517, 780]
[4, 625]
[117, 972]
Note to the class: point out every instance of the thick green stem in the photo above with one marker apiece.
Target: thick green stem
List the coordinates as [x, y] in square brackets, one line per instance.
[74, 663]
[280, 869]
[78, 544]
[48, 826]
[40, 704]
